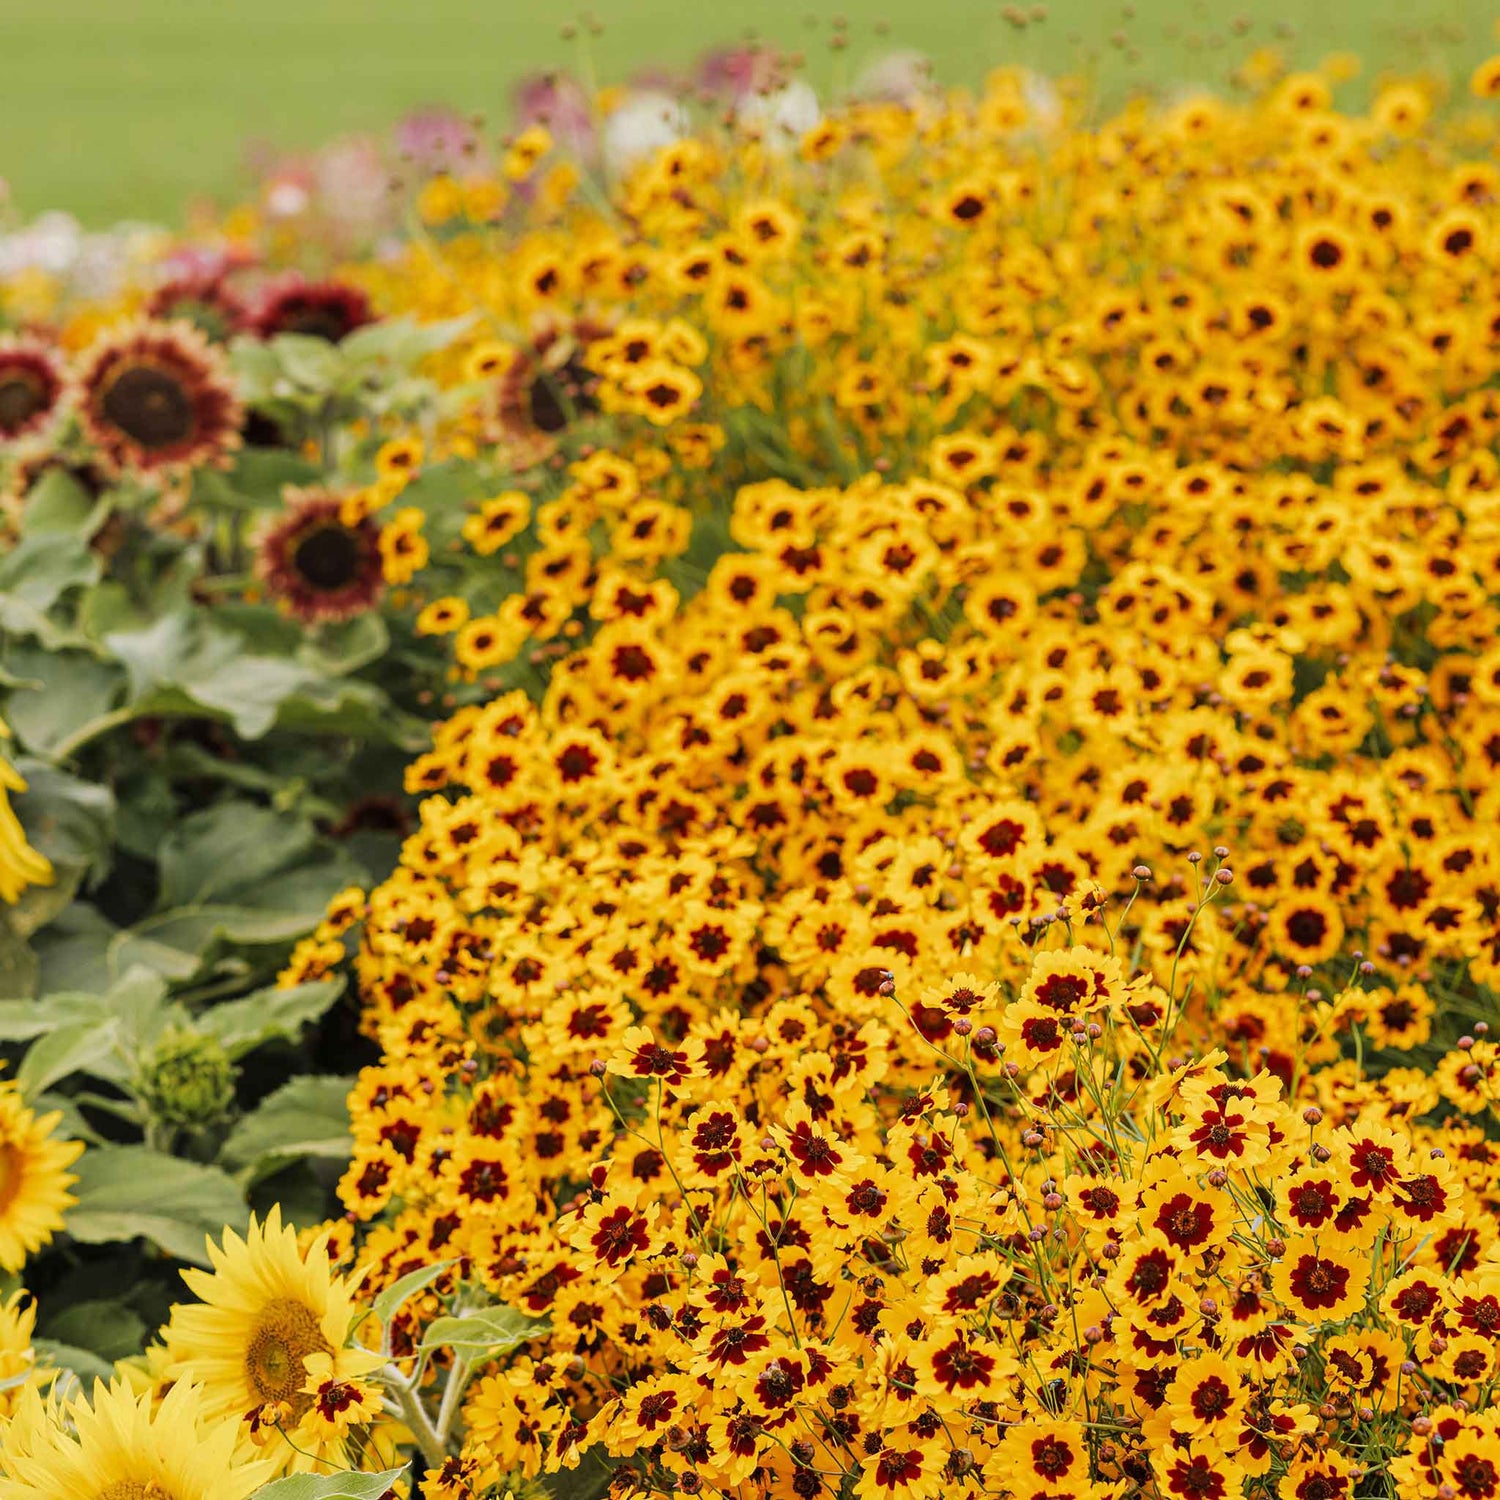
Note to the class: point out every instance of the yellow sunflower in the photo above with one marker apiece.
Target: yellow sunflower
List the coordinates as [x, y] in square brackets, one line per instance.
[124, 1446]
[20, 864]
[265, 1309]
[34, 1179]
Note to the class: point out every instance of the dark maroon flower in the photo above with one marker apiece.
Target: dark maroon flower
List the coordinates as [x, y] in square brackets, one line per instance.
[157, 396]
[31, 387]
[315, 564]
[329, 310]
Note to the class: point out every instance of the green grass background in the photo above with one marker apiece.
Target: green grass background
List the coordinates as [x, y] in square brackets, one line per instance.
[128, 108]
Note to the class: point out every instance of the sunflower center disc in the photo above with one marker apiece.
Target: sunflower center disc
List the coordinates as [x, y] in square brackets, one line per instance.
[150, 406]
[547, 411]
[327, 558]
[315, 323]
[21, 398]
[131, 1489]
[285, 1333]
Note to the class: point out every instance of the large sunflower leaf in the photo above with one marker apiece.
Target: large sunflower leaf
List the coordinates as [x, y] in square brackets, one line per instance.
[73, 690]
[130, 1192]
[307, 1117]
[340, 1486]
[226, 849]
[243, 1025]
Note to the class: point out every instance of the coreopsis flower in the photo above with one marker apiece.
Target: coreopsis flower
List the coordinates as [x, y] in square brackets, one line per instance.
[340, 1399]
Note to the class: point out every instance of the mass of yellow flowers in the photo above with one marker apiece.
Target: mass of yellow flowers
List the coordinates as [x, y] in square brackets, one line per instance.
[951, 927]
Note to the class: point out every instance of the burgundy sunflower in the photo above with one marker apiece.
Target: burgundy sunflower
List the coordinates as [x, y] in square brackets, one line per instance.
[329, 310]
[157, 396]
[317, 565]
[31, 387]
[203, 298]
[31, 470]
[546, 389]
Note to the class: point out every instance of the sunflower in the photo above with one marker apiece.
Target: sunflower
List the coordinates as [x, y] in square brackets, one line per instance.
[203, 298]
[546, 388]
[156, 396]
[31, 387]
[34, 1179]
[125, 1445]
[317, 565]
[329, 310]
[265, 1309]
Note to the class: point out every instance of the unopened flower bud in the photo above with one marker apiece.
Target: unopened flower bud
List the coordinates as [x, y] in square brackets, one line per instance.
[187, 1080]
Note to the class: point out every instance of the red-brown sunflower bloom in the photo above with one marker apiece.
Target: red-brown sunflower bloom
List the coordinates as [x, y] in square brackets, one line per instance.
[329, 310]
[31, 387]
[156, 396]
[317, 565]
[203, 298]
[546, 388]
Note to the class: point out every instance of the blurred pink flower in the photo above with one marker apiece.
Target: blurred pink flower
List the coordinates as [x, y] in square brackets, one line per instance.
[735, 73]
[560, 103]
[436, 139]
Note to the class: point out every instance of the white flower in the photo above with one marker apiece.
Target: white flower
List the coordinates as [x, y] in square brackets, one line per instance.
[644, 123]
[784, 115]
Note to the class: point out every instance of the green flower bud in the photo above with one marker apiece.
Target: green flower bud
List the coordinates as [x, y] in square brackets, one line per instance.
[187, 1081]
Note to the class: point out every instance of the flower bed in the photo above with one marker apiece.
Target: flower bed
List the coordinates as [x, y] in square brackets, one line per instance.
[943, 940]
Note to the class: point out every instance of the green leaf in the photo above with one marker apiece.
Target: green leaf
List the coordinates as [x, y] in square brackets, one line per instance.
[226, 849]
[84, 1047]
[312, 363]
[348, 646]
[98, 1329]
[18, 963]
[307, 1117]
[255, 367]
[394, 1297]
[485, 1332]
[21, 1020]
[400, 342]
[268, 471]
[243, 1025]
[107, 608]
[85, 1364]
[589, 1481]
[185, 660]
[73, 690]
[125, 1192]
[340, 1486]
[40, 904]
[257, 480]
[41, 568]
[73, 951]
[58, 502]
